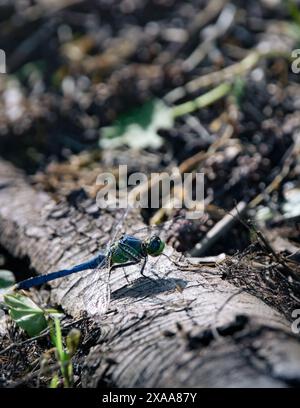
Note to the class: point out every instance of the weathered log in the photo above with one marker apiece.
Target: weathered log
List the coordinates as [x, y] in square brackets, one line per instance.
[210, 333]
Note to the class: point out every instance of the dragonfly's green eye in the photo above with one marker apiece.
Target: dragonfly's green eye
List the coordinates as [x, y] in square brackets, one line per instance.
[155, 246]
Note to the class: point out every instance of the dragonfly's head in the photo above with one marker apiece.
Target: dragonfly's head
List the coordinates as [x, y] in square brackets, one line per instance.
[154, 246]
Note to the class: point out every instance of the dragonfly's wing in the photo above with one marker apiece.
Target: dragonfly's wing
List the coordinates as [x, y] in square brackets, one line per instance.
[97, 291]
[162, 229]
[97, 294]
[179, 232]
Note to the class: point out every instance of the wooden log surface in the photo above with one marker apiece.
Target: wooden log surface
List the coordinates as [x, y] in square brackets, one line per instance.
[208, 334]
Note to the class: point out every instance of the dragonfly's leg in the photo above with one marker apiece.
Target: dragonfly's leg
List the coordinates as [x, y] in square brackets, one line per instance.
[124, 265]
[153, 271]
[132, 263]
[125, 274]
[142, 271]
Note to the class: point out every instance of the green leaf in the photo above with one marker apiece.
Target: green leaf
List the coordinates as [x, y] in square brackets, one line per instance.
[238, 89]
[6, 279]
[138, 128]
[58, 339]
[26, 314]
[294, 11]
[54, 382]
[62, 356]
[73, 339]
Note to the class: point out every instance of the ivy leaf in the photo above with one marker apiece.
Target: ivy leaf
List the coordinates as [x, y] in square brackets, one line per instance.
[7, 279]
[138, 128]
[26, 314]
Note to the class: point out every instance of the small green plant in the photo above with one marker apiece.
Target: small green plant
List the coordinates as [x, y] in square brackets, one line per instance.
[34, 320]
[293, 26]
[238, 90]
[27, 314]
[138, 127]
[293, 10]
[63, 354]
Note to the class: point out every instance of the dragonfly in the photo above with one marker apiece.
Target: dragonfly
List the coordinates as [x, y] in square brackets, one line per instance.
[128, 250]
[120, 252]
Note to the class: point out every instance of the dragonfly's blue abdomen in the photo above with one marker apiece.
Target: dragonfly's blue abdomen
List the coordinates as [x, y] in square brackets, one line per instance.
[93, 263]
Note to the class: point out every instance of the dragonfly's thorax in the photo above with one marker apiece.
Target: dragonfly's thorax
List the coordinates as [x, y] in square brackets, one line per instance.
[127, 249]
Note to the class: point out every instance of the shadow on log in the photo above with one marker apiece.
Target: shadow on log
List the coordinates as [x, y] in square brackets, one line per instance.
[209, 333]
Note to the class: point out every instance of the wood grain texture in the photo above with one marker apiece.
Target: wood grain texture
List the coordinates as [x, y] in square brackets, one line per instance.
[208, 334]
